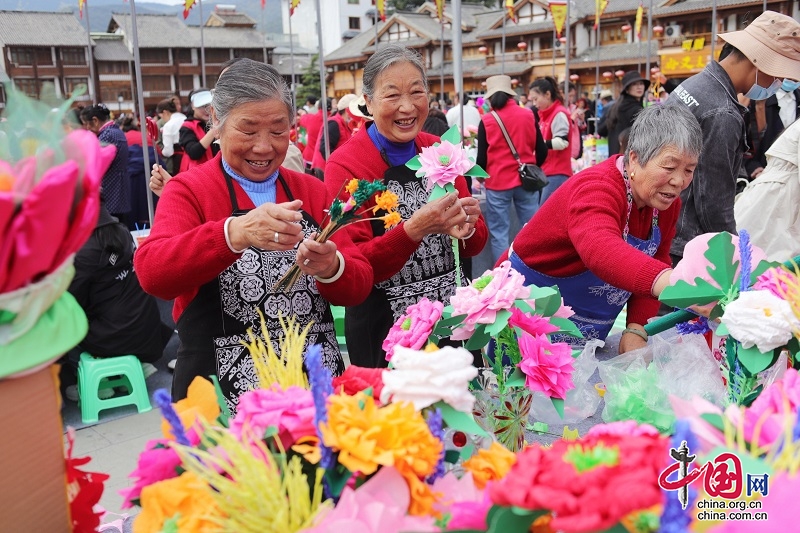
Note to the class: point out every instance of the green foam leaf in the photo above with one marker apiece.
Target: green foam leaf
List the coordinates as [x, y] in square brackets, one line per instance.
[459, 420]
[753, 359]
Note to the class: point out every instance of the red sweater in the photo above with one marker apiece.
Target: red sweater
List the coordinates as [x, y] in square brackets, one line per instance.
[580, 228]
[501, 166]
[312, 122]
[186, 248]
[387, 254]
[558, 162]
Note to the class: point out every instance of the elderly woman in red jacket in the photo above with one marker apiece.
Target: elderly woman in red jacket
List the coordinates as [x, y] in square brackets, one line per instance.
[226, 231]
[604, 236]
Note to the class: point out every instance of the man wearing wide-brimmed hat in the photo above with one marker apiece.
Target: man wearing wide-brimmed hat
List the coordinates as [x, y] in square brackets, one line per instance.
[754, 62]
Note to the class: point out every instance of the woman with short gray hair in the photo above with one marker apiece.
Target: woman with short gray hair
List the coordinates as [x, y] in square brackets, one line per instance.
[226, 231]
[413, 260]
[604, 236]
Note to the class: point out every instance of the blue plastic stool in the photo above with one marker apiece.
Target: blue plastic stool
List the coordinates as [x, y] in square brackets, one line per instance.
[95, 374]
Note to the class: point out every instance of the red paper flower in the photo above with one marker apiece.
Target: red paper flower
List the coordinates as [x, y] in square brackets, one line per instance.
[84, 490]
[356, 379]
[589, 484]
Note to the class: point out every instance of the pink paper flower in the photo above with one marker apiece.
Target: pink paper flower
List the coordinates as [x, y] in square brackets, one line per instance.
[413, 328]
[378, 506]
[497, 289]
[779, 506]
[564, 311]
[157, 463]
[774, 281]
[623, 428]
[443, 163]
[290, 411]
[768, 410]
[531, 324]
[695, 265]
[466, 504]
[547, 366]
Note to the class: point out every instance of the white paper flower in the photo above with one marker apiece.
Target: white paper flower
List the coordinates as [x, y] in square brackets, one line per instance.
[424, 378]
[761, 319]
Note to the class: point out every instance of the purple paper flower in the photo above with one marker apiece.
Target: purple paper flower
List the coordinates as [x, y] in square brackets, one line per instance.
[434, 420]
[321, 382]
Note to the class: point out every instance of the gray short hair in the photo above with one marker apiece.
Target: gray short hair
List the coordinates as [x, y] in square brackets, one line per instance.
[385, 57]
[247, 81]
[659, 126]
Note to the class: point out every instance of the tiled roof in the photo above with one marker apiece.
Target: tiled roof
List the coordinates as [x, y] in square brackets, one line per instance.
[239, 19]
[511, 68]
[354, 48]
[111, 50]
[27, 28]
[422, 23]
[691, 6]
[157, 31]
[611, 52]
[484, 22]
[414, 42]
[518, 29]
[468, 67]
[223, 37]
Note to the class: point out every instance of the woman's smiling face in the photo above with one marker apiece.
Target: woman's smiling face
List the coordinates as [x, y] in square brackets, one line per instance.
[399, 104]
[255, 137]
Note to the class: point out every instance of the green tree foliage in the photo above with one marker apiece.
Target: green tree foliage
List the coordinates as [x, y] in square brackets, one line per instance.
[310, 82]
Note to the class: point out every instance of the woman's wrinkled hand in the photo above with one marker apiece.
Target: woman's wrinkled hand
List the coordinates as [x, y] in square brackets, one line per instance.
[444, 216]
[472, 208]
[158, 178]
[272, 227]
[318, 258]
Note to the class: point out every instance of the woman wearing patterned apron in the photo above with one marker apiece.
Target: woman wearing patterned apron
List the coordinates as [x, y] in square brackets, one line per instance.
[604, 236]
[414, 259]
[226, 232]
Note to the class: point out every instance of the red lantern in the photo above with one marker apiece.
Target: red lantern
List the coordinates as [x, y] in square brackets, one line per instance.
[626, 28]
[522, 45]
[608, 74]
[619, 73]
[483, 49]
[563, 40]
[574, 77]
[658, 29]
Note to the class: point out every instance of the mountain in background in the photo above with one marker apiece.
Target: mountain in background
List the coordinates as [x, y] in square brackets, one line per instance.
[101, 10]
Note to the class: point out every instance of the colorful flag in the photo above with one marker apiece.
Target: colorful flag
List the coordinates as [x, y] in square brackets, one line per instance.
[558, 10]
[187, 5]
[292, 6]
[599, 9]
[440, 9]
[380, 5]
[80, 7]
[510, 10]
[638, 23]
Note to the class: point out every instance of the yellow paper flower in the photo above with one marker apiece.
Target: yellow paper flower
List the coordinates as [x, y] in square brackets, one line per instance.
[490, 465]
[351, 186]
[391, 219]
[200, 404]
[308, 447]
[367, 436]
[185, 499]
[387, 200]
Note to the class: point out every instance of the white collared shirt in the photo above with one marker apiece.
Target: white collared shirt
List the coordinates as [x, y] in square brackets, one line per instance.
[787, 107]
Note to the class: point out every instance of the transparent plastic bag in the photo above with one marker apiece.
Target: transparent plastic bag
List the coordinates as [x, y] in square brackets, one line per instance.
[582, 401]
[639, 383]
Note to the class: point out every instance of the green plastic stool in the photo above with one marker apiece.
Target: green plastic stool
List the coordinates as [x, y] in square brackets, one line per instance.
[108, 372]
[338, 325]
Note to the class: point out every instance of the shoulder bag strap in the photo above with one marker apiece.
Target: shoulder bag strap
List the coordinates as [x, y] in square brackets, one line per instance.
[505, 134]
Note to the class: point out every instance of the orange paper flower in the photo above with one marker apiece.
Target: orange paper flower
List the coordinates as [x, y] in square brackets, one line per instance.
[391, 219]
[367, 436]
[351, 186]
[490, 465]
[387, 200]
[185, 500]
[200, 402]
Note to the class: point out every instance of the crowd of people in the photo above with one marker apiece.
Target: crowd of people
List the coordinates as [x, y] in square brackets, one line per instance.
[247, 176]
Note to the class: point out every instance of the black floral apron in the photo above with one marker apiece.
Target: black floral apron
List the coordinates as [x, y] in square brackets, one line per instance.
[214, 324]
[429, 272]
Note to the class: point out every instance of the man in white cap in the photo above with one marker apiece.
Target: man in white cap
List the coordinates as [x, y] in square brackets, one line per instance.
[339, 131]
[753, 62]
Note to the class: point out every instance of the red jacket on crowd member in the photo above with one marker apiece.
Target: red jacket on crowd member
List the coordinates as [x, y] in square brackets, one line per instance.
[312, 122]
[344, 135]
[191, 132]
[501, 166]
[558, 162]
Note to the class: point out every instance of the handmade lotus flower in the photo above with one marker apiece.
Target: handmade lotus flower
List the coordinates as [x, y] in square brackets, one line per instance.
[424, 378]
[443, 163]
[761, 319]
[531, 324]
[290, 411]
[547, 366]
[480, 301]
[695, 264]
[414, 327]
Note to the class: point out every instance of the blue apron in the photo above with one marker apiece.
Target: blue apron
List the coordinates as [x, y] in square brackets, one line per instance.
[596, 303]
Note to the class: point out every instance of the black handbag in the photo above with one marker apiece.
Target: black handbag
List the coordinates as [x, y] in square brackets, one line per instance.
[533, 178]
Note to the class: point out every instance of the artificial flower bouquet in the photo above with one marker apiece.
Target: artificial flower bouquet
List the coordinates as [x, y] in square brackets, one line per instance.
[49, 184]
[350, 210]
[755, 301]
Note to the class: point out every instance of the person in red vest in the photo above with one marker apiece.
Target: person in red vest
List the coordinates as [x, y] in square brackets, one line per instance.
[312, 123]
[197, 143]
[339, 129]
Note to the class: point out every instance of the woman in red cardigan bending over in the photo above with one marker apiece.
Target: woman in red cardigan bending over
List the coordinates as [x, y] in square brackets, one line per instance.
[415, 258]
[226, 232]
[604, 235]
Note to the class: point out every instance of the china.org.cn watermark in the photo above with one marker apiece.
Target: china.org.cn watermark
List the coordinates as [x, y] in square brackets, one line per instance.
[723, 481]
